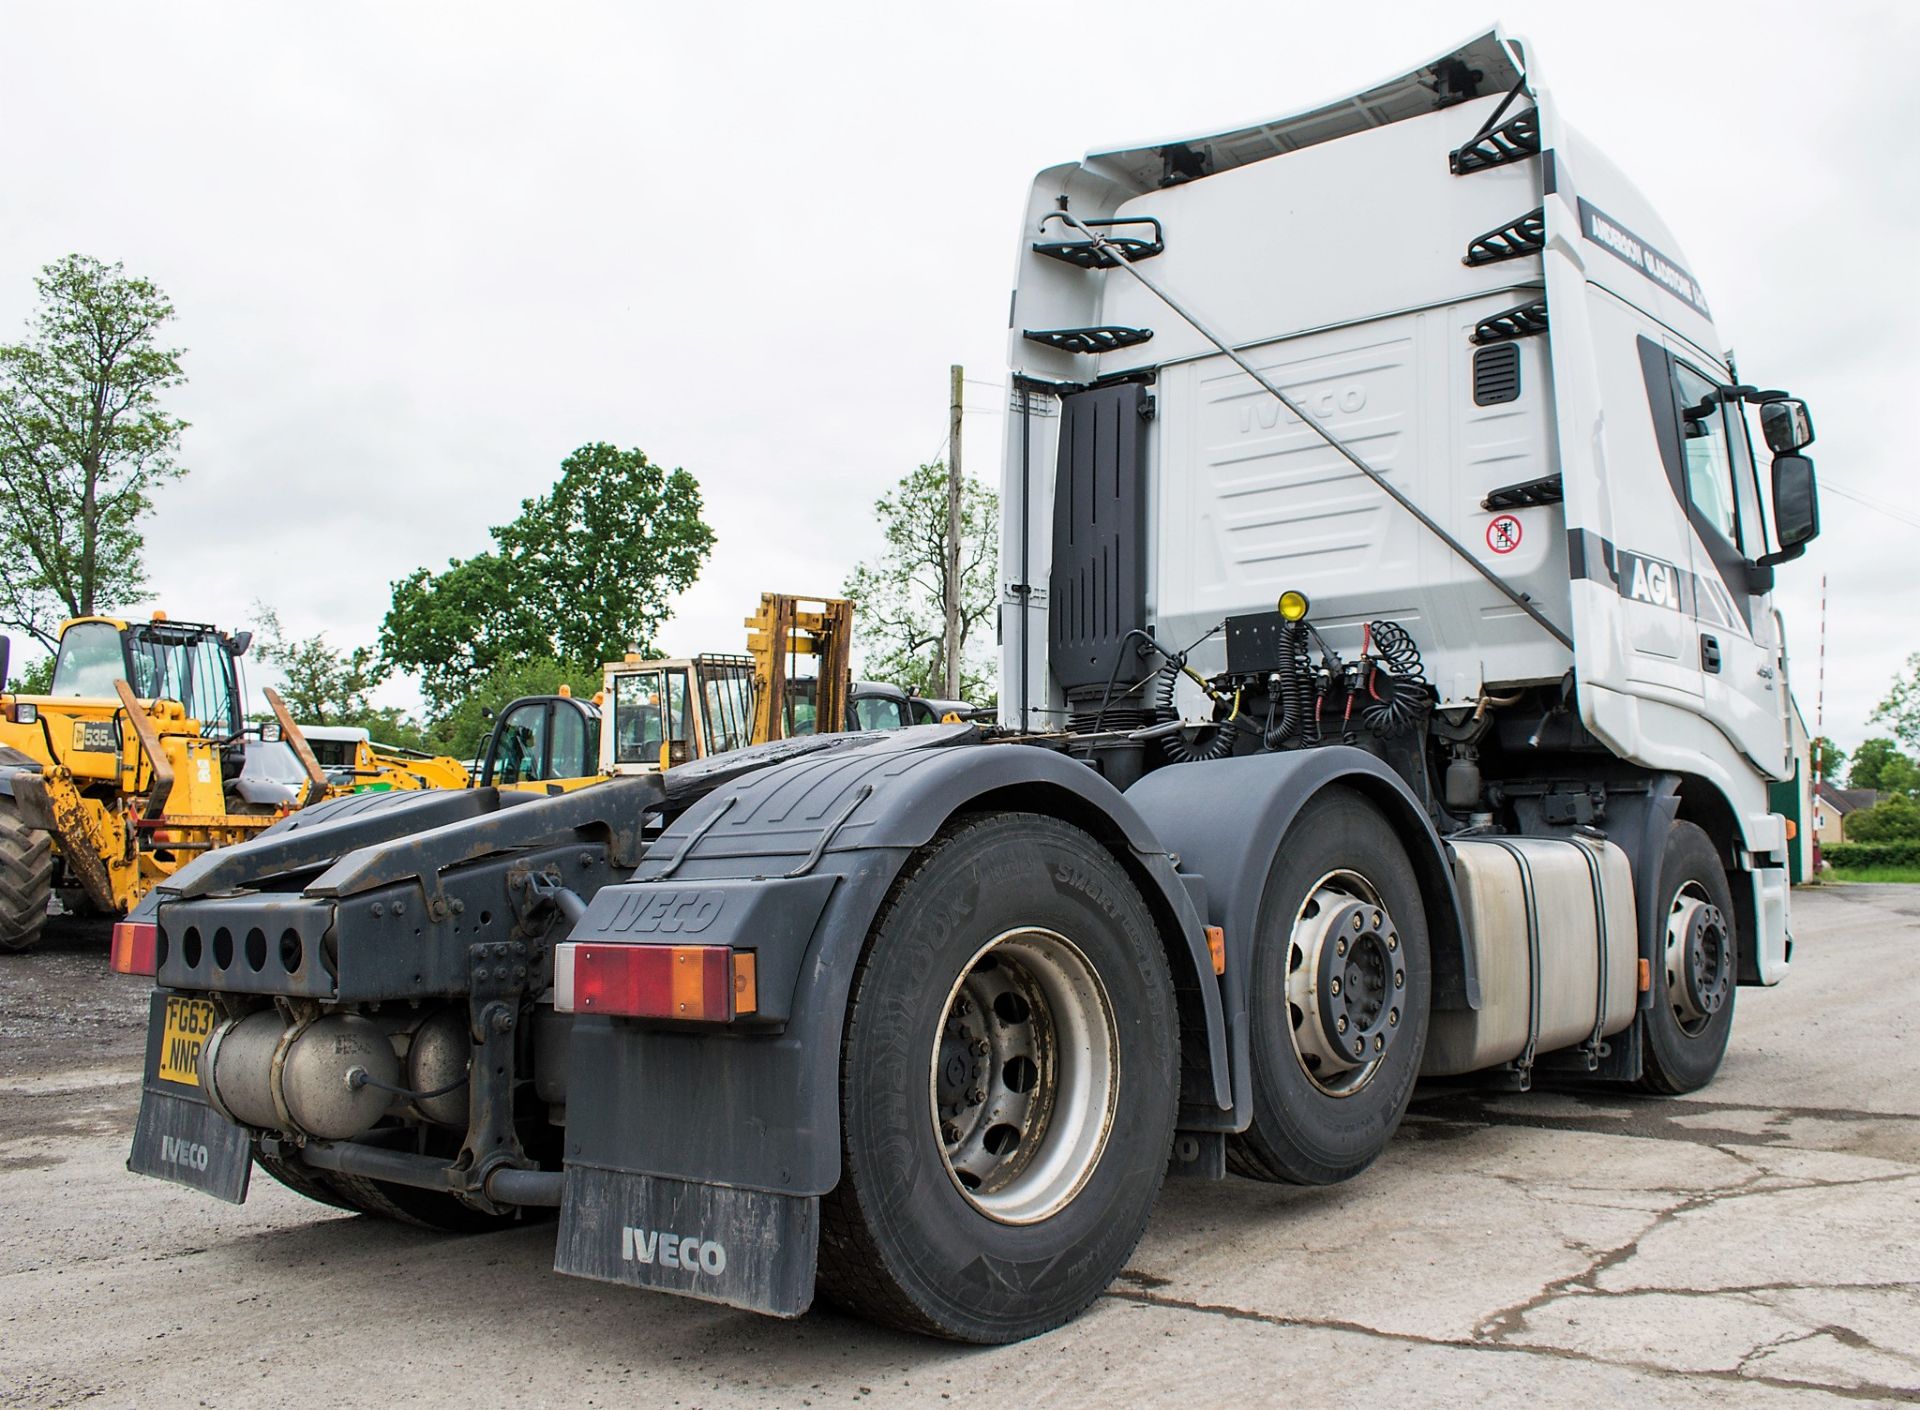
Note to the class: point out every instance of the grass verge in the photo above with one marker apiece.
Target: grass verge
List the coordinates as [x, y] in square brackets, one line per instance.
[1909, 875]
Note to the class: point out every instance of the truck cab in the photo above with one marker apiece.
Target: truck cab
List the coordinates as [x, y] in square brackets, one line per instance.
[1452, 282]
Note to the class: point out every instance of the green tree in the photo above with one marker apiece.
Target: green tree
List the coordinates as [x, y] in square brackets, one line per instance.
[463, 730]
[898, 622]
[1829, 760]
[1894, 817]
[1900, 711]
[36, 679]
[324, 685]
[1878, 763]
[84, 442]
[584, 573]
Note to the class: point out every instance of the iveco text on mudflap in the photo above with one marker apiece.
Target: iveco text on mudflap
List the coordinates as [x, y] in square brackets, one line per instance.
[1390, 686]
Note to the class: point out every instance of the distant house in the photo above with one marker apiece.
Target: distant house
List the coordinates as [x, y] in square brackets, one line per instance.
[1837, 805]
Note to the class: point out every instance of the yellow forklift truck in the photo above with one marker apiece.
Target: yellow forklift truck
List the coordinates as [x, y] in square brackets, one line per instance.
[135, 762]
[668, 712]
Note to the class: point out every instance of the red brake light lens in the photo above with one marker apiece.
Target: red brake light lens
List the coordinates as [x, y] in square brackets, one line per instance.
[694, 983]
[136, 948]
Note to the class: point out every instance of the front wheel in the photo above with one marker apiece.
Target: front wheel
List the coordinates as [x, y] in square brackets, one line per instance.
[1009, 1080]
[1692, 1013]
[26, 880]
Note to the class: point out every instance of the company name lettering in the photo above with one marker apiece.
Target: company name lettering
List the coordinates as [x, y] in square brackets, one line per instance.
[666, 912]
[190, 1154]
[1603, 231]
[1650, 580]
[685, 1251]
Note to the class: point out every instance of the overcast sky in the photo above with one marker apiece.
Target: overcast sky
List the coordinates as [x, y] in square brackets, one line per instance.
[420, 252]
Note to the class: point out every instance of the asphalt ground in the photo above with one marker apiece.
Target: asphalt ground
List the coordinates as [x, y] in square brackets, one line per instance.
[1757, 1244]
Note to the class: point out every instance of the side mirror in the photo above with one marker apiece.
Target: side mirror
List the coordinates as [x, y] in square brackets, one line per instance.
[238, 643]
[1796, 507]
[1787, 426]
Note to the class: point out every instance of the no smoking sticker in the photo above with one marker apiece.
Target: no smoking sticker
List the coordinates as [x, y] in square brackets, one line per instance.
[1503, 533]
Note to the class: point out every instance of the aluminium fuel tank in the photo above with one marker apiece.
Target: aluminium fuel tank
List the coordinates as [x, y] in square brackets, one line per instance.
[1555, 935]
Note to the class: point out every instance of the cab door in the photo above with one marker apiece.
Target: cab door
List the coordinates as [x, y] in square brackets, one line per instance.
[519, 753]
[1737, 643]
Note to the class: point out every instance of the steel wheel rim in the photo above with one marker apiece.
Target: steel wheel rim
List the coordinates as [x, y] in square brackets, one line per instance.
[1023, 1076]
[1698, 959]
[1346, 983]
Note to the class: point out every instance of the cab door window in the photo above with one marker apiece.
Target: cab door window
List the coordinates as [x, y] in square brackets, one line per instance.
[569, 757]
[637, 703]
[878, 712]
[679, 717]
[1708, 445]
[520, 747]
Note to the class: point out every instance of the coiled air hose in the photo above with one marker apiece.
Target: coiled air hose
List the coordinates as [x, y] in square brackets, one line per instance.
[1287, 704]
[1406, 687]
[1176, 746]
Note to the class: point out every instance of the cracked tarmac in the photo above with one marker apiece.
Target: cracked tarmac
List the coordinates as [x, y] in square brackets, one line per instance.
[1756, 1244]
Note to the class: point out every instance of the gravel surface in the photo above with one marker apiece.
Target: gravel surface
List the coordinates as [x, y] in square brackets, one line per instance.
[1755, 1245]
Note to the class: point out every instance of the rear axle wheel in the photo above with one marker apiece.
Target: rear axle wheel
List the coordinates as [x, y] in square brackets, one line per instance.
[1009, 1080]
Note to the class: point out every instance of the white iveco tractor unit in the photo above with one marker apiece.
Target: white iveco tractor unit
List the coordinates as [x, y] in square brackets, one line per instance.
[1390, 688]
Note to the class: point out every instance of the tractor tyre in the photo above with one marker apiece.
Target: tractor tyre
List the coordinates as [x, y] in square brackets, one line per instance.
[26, 880]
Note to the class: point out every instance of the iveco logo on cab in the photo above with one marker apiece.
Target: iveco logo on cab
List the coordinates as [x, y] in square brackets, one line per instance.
[688, 1251]
[191, 1154]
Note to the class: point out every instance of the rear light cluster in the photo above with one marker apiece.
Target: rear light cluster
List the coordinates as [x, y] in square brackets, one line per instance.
[136, 948]
[694, 983]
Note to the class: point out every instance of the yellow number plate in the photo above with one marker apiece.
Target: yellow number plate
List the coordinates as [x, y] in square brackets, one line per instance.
[189, 1021]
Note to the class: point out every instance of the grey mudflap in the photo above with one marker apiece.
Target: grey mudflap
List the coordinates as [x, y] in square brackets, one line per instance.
[188, 1142]
[744, 1248]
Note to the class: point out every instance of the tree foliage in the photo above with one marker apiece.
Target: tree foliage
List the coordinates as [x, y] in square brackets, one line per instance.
[1894, 817]
[84, 442]
[899, 623]
[1900, 711]
[35, 679]
[1879, 764]
[324, 685]
[1827, 759]
[585, 572]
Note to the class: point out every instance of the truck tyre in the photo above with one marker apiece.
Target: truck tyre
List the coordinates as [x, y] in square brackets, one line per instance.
[309, 1184]
[424, 1209]
[1694, 969]
[1339, 993]
[1009, 1080]
[26, 880]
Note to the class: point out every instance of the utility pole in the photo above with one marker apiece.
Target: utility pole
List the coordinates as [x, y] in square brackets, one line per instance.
[1819, 760]
[950, 653]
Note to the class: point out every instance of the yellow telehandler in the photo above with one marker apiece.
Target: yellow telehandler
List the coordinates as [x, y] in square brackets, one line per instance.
[136, 761]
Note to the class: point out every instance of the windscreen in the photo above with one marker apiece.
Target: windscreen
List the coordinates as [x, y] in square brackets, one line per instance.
[188, 664]
[89, 662]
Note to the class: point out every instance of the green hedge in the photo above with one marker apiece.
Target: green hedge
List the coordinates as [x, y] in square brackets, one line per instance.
[1903, 853]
